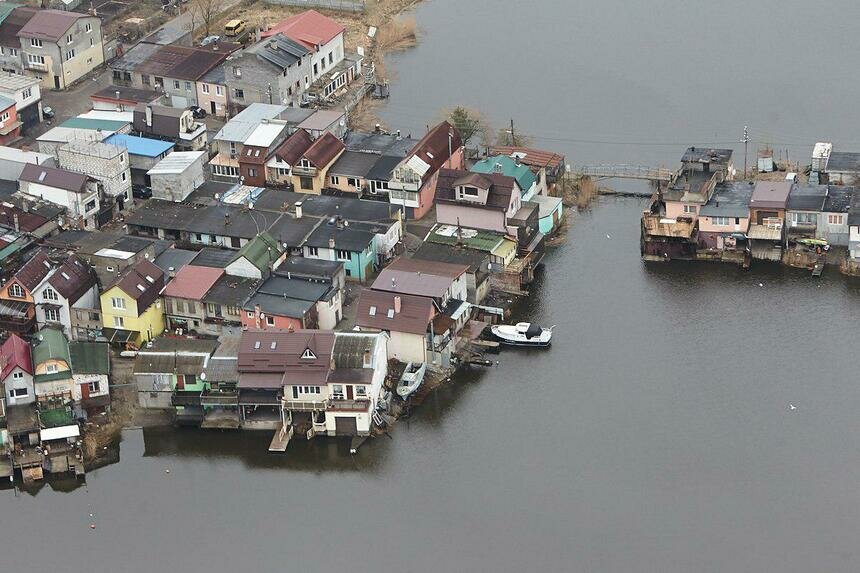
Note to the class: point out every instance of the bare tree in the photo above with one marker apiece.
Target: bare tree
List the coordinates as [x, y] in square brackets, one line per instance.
[206, 11]
[470, 123]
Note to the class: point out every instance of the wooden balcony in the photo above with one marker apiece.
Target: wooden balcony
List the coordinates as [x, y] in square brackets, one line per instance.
[304, 405]
[358, 405]
[185, 398]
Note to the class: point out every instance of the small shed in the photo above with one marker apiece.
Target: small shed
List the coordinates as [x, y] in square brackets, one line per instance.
[176, 176]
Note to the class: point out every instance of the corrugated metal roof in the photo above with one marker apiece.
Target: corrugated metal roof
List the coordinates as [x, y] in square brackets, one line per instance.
[142, 146]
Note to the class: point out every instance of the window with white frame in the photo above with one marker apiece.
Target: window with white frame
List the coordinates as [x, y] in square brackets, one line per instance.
[218, 90]
[118, 322]
[342, 254]
[361, 391]
[118, 302]
[188, 86]
[176, 84]
[51, 368]
[50, 294]
[835, 219]
[720, 221]
[337, 391]
[70, 54]
[94, 386]
[204, 88]
[36, 43]
[27, 93]
[18, 392]
[313, 252]
[36, 59]
[16, 291]
[335, 180]
[4, 116]
[52, 315]
[690, 209]
[69, 39]
[352, 182]
[88, 28]
[270, 320]
[18, 375]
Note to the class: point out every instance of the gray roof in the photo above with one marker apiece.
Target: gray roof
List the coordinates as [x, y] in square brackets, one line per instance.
[476, 260]
[353, 164]
[231, 290]
[771, 194]
[349, 208]
[345, 238]
[730, 199]
[292, 232]
[707, 155]
[854, 210]
[349, 349]
[174, 259]
[215, 76]
[379, 143]
[135, 56]
[246, 121]
[381, 170]
[213, 257]
[279, 50]
[279, 305]
[807, 197]
[843, 161]
[242, 222]
[296, 288]
[839, 199]
[310, 268]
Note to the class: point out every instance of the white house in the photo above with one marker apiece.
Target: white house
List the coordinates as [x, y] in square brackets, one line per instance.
[78, 193]
[73, 285]
[27, 94]
[177, 176]
[406, 319]
[16, 371]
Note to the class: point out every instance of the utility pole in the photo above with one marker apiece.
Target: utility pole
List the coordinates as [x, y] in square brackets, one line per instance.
[513, 135]
[746, 141]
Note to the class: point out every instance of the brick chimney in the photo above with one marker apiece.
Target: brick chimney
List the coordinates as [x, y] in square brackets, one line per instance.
[397, 305]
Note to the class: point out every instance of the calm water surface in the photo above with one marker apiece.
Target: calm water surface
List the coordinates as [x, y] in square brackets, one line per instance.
[654, 435]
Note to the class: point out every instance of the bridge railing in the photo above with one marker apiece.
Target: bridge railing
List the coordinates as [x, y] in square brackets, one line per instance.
[623, 171]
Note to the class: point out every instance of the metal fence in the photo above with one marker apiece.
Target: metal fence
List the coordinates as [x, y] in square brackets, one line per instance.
[344, 5]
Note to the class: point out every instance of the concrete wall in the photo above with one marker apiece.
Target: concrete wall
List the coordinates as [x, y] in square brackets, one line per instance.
[407, 347]
[177, 186]
[112, 170]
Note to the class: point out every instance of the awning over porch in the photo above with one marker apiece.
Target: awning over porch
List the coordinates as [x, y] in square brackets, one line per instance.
[60, 432]
[119, 336]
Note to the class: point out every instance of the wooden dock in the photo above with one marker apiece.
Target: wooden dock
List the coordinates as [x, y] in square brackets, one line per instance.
[281, 439]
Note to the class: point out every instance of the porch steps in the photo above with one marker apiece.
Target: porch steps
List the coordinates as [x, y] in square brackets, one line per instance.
[281, 439]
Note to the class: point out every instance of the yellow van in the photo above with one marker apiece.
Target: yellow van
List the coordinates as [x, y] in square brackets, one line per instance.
[234, 28]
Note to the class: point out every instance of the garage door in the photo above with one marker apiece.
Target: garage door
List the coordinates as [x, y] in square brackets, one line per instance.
[345, 426]
[179, 101]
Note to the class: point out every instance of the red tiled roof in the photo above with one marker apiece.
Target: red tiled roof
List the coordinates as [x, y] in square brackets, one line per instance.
[15, 353]
[28, 222]
[193, 282]
[310, 28]
[414, 316]
[532, 157]
[324, 150]
[432, 149]
[294, 147]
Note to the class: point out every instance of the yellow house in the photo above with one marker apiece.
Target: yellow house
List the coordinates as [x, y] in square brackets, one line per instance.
[132, 312]
[309, 174]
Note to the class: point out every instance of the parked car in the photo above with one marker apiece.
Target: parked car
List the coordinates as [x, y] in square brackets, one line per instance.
[47, 112]
[141, 192]
[197, 111]
[209, 40]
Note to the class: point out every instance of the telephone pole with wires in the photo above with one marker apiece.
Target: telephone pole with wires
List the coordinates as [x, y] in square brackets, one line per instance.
[746, 141]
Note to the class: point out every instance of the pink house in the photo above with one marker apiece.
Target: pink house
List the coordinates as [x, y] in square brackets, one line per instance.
[10, 127]
[413, 182]
[725, 219]
[477, 200]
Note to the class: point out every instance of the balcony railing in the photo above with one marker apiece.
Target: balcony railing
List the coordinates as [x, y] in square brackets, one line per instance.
[358, 405]
[209, 398]
[304, 405]
[304, 171]
[35, 66]
[183, 398]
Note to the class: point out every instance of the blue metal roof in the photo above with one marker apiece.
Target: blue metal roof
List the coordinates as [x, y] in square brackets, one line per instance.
[140, 145]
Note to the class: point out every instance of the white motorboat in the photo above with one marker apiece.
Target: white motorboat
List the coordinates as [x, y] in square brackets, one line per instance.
[522, 334]
[412, 378]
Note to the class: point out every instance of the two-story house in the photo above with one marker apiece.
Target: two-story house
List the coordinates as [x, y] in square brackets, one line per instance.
[131, 307]
[10, 125]
[16, 371]
[70, 287]
[352, 244]
[13, 17]
[183, 296]
[17, 305]
[52, 370]
[443, 282]
[724, 220]
[77, 193]
[279, 168]
[60, 47]
[311, 172]
[230, 139]
[477, 201]
[413, 181]
[275, 70]
[170, 124]
[511, 167]
[27, 94]
[90, 363]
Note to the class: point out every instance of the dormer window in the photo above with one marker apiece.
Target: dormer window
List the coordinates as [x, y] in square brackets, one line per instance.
[305, 163]
[308, 355]
[50, 294]
[470, 191]
[16, 291]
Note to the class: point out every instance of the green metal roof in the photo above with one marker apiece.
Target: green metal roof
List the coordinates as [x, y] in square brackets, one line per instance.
[89, 357]
[51, 343]
[87, 123]
[260, 251]
[472, 239]
[509, 167]
[6, 9]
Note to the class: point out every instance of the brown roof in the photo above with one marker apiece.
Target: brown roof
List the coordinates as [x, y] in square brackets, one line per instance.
[294, 147]
[13, 23]
[532, 157]
[54, 177]
[324, 150]
[165, 120]
[34, 271]
[770, 194]
[181, 62]
[28, 221]
[418, 277]
[433, 147]
[142, 282]
[73, 279]
[500, 187]
[50, 24]
[449, 270]
[193, 282]
[126, 95]
[376, 310]
[274, 351]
